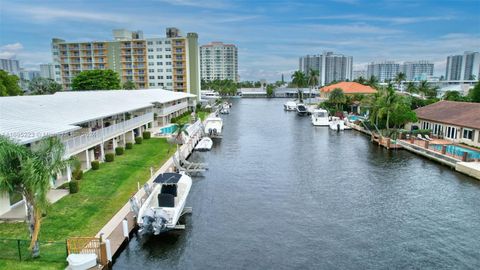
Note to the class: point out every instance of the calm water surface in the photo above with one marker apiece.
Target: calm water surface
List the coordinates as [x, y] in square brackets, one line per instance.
[281, 194]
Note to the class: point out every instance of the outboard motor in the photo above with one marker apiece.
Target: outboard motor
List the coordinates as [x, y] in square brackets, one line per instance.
[148, 219]
[160, 223]
[215, 131]
[338, 127]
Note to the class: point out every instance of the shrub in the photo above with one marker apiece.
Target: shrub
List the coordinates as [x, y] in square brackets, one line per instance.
[119, 151]
[128, 145]
[109, 157]
[95, 165]
[149, 125]
[146, 135]
[77, 174]
[74, 186]
[138, 140]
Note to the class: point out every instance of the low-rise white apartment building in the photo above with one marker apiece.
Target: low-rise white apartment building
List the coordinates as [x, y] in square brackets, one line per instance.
[90, 123]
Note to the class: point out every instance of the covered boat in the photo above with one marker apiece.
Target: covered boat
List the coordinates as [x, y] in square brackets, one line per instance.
[204, 144]
[290, 106]
[320, 117]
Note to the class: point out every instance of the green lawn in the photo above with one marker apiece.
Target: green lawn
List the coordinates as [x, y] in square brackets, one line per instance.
[186, 119]
[102, 193]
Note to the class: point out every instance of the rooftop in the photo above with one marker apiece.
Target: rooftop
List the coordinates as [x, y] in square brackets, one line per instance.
[349, 88]
[29, 118]
[465, 114]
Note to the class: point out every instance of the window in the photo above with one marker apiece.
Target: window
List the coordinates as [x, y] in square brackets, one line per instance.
[159, 42]
[151, 77]
[451, 133]
[169, 77]
[160, 84]
[169, 70]
[160, 70]
[159, 49]
[468, 134]
[168, 49]
[168, 63]
[150, 57]
[150, 50]
[167, 42]
[160, 77]
[151, 70]
[160, 63]
[159, 56]
[150, 43]
[168, 56]
[151, 84]
[151, 63]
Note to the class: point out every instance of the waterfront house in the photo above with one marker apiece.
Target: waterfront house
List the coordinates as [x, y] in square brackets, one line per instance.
[451, 120]
[348, 88]
[90, 123]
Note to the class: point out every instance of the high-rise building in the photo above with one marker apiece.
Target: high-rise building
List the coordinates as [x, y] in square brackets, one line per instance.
[11, 66]
[219, 61]
[171, 63]
[47, 71]
[331, 67]
[384, 71]
[463, 67]
[359, 73]
[417, 71]
[28, 75]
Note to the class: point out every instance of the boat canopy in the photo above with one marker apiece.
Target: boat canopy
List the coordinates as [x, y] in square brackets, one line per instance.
[168, 178]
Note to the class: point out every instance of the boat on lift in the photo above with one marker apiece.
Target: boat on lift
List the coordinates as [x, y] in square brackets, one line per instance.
[204, 144]
[337, 124]
[165, 205]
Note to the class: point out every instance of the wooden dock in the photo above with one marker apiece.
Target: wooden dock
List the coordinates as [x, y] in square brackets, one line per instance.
[376, 138]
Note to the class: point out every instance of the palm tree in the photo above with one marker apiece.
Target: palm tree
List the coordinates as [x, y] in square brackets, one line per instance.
[426, 90]
[299, 80]
[29, 172]
[388, 104]
[177, 136]
[400, 78]
[313, 79]
[373, 82]
[411, 88]
[337, 97]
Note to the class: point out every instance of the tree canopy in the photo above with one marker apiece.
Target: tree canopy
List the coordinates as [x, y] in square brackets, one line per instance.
[129, 85]
[96, 80]
[9, 84]
[337, 97]
[43, 86]
[223, 87]
[474, 94]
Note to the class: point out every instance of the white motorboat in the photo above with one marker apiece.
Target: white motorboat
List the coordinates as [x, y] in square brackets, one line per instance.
[290, 106]
[213, 127]
[209, 94]
[320, 117]
[337, 124]
[301, 109]
[165, 204]
[81, 261]
[204, 144]
[225, 108]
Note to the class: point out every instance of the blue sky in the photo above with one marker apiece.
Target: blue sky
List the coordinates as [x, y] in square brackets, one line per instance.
[270, 35]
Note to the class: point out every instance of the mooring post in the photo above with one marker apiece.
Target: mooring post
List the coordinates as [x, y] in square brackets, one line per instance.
[108, 249]
[125, 228]
[426, 144]
[444, 149]
[465, 156]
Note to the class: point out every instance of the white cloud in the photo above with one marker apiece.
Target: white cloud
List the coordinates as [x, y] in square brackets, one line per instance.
[390, 19]
[196, 3]
[10, 51]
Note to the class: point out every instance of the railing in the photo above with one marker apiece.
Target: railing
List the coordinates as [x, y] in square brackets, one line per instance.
[83, 141]
[18, 249]
[173, 108]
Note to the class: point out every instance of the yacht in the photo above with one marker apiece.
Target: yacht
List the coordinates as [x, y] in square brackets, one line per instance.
[213, 127]
[209, 94]
[301, 109]
[204, 144]
[290, 106]
[165, 204]
[320, 117]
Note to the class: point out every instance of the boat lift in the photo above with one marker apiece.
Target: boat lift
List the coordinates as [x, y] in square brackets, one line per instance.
[186, 166]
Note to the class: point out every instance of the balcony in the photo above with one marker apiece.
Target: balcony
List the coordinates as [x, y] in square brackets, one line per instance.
[85, 141]
[171, 109]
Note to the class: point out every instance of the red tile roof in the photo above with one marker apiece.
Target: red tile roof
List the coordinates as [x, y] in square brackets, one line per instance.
[350, 88]
[464, 114]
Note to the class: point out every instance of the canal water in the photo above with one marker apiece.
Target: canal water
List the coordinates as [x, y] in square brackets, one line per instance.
[282, 194]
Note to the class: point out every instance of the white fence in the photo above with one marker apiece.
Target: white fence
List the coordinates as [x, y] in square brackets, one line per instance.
[173, 108]
[84, 141]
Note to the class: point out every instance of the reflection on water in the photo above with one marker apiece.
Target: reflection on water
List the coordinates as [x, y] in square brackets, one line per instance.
[281, 194]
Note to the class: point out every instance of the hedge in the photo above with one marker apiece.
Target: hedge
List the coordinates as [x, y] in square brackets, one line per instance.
[128, 145]
[146, 135]
[138, 140]
[119, 151]
[109, 157]
[95, 165]
[74, 186]
[77, 174]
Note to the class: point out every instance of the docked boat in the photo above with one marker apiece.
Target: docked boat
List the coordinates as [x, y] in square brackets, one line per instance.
[320, 117]
[165, 204]
[225, 108]
[337, 124]
[290, 106]
[301, 109]
[213, 127]
[204, 144]
[209, 94]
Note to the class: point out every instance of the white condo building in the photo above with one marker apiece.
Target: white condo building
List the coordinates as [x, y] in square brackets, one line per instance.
[90, 123]
[463, 67]
[417, 71]
[47, 71]
[331, 67]
[11, 66]
[219, 61]
[383, 71]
